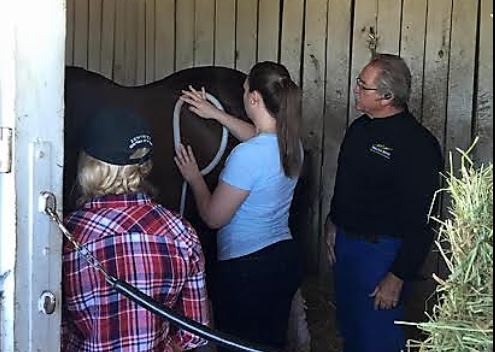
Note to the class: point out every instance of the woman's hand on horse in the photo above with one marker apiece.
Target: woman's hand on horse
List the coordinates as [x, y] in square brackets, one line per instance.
[198, 103]
[186, 162]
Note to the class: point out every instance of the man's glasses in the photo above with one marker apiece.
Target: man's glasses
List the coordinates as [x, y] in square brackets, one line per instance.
[361, 85]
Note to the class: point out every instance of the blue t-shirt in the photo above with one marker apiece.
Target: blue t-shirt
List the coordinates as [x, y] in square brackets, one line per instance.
[262, 219]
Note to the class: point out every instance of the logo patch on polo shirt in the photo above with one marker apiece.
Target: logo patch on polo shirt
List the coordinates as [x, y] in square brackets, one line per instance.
[382, 150]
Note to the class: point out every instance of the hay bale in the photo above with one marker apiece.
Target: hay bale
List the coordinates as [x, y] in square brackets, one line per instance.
[462, 320]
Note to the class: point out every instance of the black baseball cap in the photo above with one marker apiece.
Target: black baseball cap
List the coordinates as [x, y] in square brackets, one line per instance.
[114, 135]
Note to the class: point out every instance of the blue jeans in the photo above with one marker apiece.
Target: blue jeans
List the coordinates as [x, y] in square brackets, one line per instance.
[360, 266]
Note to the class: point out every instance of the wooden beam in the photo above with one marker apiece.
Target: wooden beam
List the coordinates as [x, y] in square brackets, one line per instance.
[69, 35]
[388, 24]
[337, 94]
[461, 76]
[413, 49]
[141, 42]
[484, 92]
[292, 37]
[225, 22]
[130, 43]
[94, 37]
[107, 38]
[268, 30]
[246, 34]
[435, 89]
[204, 35]
[119, 42]
[314, 63]
[365, 27]
[184, 40]
[166, 53]
[81, 33]
[150, 32]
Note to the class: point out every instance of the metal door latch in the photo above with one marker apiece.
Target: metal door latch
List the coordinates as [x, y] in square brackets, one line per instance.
[5, 150]
[47, 203]
[47, 303]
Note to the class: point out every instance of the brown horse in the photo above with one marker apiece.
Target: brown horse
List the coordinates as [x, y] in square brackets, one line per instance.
[87, 93]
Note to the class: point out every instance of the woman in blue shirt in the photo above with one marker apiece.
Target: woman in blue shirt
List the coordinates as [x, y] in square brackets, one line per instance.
[258, 270]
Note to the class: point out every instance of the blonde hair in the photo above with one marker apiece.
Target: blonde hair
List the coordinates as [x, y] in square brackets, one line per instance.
[97, 178]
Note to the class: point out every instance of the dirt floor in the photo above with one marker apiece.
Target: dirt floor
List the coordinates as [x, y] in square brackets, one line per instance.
[321, 316]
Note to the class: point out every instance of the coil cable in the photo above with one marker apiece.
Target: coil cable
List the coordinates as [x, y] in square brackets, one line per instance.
[177, 140]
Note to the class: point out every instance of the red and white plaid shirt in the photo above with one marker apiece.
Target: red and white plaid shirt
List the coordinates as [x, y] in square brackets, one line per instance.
[146, 245]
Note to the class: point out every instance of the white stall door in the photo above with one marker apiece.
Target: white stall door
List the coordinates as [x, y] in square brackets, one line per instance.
[32, 37]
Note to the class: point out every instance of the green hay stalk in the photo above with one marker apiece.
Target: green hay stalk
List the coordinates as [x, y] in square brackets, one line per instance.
[462, 320]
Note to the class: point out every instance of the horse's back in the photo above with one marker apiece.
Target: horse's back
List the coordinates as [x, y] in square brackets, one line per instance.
[87, 93]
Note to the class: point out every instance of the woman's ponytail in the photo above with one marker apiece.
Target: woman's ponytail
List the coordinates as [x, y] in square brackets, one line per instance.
[282, 98]
[289, 128]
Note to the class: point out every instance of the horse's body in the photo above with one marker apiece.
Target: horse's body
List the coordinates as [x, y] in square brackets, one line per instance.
[87, 93]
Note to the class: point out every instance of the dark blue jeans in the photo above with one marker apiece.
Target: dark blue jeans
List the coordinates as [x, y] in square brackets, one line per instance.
[253, 294]
[360, 266]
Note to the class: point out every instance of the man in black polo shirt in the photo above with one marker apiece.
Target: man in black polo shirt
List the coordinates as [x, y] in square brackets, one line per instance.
[377, 230]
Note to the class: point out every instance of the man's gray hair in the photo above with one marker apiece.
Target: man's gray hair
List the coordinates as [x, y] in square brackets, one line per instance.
[394, 78]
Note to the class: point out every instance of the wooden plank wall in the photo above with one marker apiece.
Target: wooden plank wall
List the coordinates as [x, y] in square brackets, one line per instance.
[324, 44]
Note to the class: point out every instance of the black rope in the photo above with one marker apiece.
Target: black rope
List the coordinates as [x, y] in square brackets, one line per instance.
[219, 338]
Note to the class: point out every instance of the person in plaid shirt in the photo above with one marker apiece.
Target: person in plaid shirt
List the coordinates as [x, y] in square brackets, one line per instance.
[135, 240]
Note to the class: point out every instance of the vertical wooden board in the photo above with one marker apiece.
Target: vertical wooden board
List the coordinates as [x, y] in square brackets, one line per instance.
[365, 23]
[389, 26]
[107, 38]
[336, 100]
[314, 64]
[118, 74]
[130, 43]
[225, 22]
[184, 56]
[204, 28]
[435, 87]
[81, 33]
[292, 36]
[461, 75]
[413, 49]
[165, 38]
[141, 42]
[484, 109]
[268, 30]
[94, 37]
[437, 67]
[69, 35]
[150, 26]
[246, 34]
[413, 42]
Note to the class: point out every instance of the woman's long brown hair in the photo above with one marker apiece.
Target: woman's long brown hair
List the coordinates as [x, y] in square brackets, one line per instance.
[282, 98]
